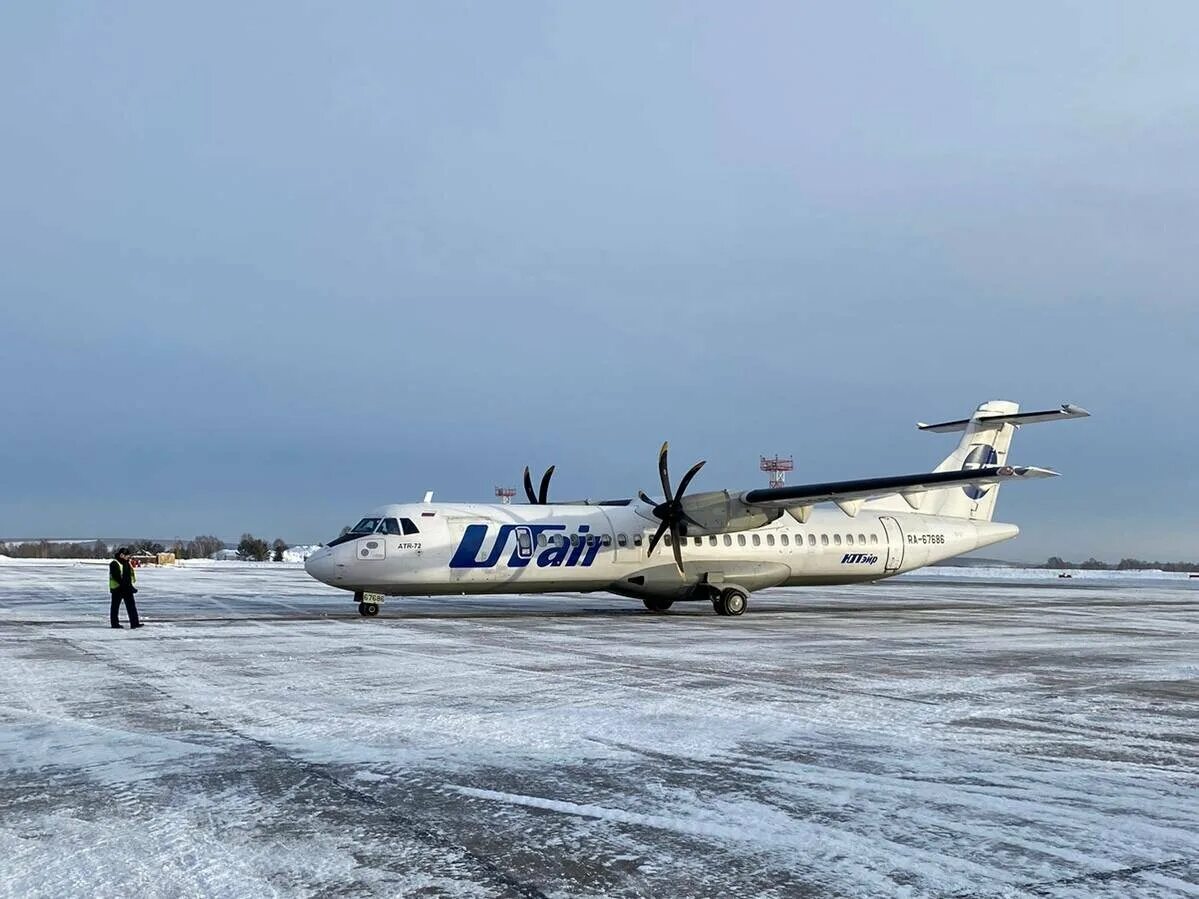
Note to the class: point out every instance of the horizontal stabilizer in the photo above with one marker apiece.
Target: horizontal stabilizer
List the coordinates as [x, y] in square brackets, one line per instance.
[1066, 412]
[866, 488]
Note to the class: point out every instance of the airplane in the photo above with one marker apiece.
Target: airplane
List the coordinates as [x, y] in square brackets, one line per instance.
[717, 546]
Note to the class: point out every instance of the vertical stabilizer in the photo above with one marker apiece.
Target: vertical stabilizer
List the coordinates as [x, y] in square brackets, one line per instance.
[983, 443]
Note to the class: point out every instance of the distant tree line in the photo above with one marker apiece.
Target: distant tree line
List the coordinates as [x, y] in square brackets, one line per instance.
[48, 549]
[1123, 565]
[202, 547]
[255, 549]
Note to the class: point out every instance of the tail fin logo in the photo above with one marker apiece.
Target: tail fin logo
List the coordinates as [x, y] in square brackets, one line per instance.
[980, 456]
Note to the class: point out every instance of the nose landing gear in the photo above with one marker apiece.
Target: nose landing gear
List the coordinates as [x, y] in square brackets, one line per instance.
[368, 603]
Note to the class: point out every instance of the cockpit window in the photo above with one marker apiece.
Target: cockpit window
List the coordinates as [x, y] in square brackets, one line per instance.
[361, 529]
[409, 527]
[391, 527]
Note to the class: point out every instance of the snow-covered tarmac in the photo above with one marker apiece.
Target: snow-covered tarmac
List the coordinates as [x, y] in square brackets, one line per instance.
[952, 734]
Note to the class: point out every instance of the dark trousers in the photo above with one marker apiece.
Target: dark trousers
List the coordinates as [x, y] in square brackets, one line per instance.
[130, 607]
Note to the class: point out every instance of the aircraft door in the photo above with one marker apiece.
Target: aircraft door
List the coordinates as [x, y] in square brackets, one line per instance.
[524, 542]
[894, 542]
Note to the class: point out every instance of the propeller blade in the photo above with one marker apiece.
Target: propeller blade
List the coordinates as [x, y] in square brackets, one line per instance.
[653, 541]
[663, 473]
[543, 494]
[645, 499]
[676, 545]
[683, 484]
[529, 487]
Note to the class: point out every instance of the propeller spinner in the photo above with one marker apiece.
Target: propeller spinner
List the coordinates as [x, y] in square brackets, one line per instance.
[670, 512]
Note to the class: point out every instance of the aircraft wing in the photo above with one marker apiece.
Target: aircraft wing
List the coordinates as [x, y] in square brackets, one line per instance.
[910, 485]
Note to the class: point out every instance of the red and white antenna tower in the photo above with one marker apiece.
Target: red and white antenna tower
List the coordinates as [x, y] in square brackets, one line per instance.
[777, 467]
[505, 494]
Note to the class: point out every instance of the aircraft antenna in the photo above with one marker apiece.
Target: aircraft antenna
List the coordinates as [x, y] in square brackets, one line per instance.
[777, 467]
[505, 494]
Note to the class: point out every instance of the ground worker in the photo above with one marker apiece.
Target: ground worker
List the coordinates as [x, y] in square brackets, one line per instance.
[121, 578]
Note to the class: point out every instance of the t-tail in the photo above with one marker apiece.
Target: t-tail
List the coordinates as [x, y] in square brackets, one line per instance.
[986, 439]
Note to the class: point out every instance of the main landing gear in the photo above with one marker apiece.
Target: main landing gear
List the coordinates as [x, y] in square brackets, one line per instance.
[726, 601]
[368, 605]
[730, 601]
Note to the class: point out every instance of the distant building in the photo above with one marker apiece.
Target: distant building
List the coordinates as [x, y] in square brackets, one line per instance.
[224, 555]
[141, 557]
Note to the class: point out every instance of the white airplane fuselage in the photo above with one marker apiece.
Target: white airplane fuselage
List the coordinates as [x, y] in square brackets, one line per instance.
[718, 545]
[489, 548]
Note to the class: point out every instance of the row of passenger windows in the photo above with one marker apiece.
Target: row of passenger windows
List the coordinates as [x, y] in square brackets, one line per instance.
[783, 539]
[623, 540]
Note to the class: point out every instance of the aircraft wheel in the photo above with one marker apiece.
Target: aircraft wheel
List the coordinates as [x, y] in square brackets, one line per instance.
[718, 606]
[657, 605]
[362, 608]
[370, 609]
[732, 602]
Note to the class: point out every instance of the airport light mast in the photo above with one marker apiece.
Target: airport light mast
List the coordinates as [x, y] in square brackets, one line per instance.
[505, 494]
[777, 467]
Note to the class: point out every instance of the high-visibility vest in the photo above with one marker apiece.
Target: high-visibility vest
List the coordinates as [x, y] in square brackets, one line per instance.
[113, 583]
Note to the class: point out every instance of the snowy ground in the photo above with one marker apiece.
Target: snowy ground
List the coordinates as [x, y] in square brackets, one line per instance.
[964, 733]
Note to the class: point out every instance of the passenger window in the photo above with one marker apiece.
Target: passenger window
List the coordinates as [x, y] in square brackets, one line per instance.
[824, 539]
[637, 539]
[741, 540]
[574, 540]
[862, 539]
[541, 540]
[711, 540]
[622, 540]
[874, 538]
[836, 539]
[668, 540]
[784, 539]
[770, 539]
[849, 539]
[409, 527]
[728, 540]
[606, 540]
[699, 541]
[757, 539]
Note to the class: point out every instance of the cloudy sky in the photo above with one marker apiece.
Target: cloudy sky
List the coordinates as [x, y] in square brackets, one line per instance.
[264, 266]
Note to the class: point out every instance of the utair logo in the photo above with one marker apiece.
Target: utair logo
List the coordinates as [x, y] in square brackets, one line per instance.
[578, 551]
[858, 559]
[981, 455]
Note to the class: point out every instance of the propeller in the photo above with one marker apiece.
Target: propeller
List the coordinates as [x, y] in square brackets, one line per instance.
[670, 512]
[542, 495]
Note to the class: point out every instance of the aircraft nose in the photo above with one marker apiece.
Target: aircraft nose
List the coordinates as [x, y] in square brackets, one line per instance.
[320, 565]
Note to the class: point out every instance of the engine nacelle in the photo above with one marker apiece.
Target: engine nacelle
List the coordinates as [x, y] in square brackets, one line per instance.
[718, 511]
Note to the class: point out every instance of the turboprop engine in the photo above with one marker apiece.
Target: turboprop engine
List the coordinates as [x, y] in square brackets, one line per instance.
[699, 515]
[719, 511]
